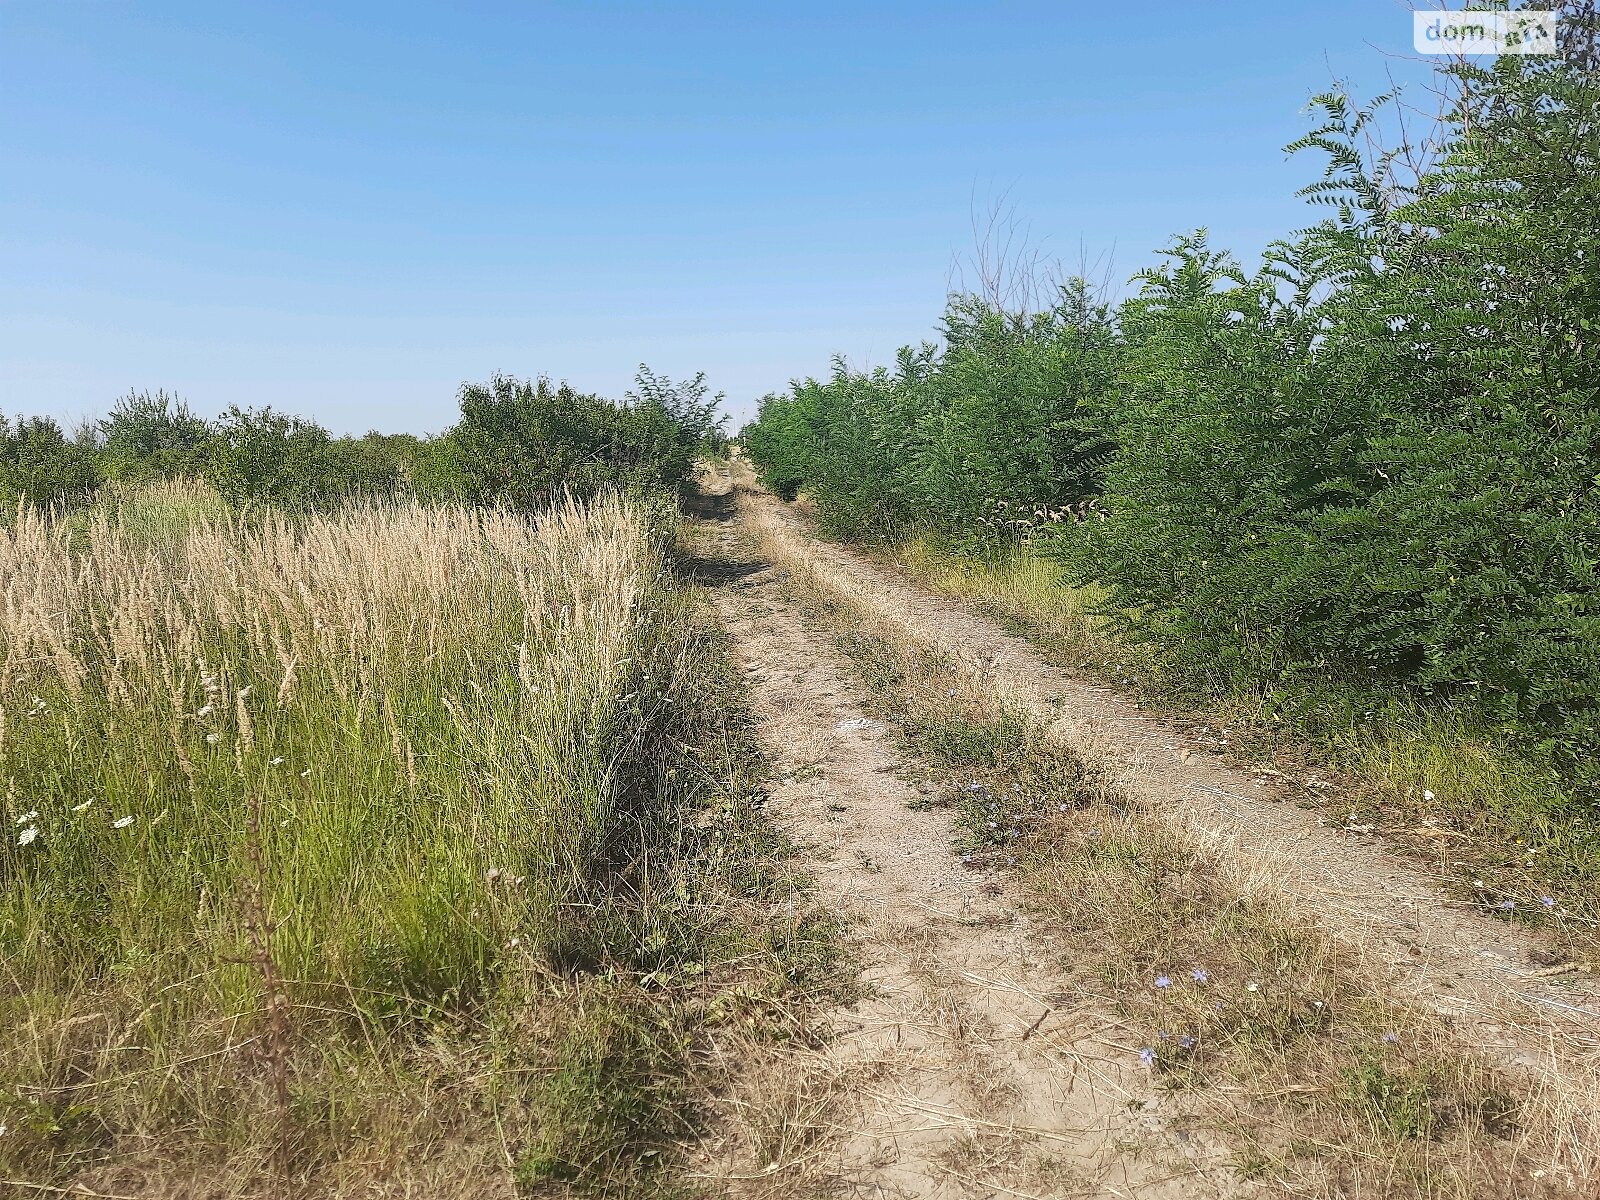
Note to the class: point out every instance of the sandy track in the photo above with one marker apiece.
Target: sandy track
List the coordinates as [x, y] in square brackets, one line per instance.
[1419, 945]
[966, 1070]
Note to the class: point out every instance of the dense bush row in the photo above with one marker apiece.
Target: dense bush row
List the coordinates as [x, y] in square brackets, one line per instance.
[517, 443]
[1374, 458]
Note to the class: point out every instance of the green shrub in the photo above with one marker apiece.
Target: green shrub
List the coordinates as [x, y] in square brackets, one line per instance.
[522, 442]
[151, 437]
[38, 462]
[1369, 462]
[994, 424]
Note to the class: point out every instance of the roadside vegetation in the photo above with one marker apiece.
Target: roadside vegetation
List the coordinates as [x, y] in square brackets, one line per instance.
[1344, 501]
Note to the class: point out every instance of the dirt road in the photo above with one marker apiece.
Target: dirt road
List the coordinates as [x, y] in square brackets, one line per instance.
[961, 1072]
[950, 1086]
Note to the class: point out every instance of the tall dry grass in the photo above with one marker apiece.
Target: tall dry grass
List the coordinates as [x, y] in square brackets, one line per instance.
[276, 787]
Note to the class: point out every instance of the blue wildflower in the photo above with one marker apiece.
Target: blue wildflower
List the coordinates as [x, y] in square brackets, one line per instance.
[1163, 982]
[1199, 975]
[1147, 1056]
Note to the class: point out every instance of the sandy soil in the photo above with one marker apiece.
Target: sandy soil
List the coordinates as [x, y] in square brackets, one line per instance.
[1486, 974]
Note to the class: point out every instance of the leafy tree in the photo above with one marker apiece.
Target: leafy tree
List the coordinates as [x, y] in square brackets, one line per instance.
[262, 454]
[521, 442]
[147, 436]
[1372, 458]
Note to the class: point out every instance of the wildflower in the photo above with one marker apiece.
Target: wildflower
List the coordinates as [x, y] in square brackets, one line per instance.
[1508, 905]
[204, 710]
[306, 774]
[513, 943]
[1252, 986]
[493, 875]
[1147, 1056]
[211, 739]
[1163, 981]
[1199, 975]
[27, 835]
[1391, 1038]
[122, 822]
[28, 816]
[1427, 795]
[1547, 901]
[84, 805]
[1477, 883]
[1186, 1042]
[276, 762]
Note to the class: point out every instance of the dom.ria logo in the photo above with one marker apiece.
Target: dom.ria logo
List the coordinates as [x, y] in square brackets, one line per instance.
[1464, 31]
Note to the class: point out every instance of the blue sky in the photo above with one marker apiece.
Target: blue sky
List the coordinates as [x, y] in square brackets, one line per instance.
[345, 210]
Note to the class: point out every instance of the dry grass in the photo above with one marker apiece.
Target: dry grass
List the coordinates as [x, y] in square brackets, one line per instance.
[1322, 1086]
[363, 857]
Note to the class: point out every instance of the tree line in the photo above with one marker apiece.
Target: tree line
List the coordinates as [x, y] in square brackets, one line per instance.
[517, 442]
[1371, 459]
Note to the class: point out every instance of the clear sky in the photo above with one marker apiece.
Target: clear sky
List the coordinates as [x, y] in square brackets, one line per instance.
[346, 209]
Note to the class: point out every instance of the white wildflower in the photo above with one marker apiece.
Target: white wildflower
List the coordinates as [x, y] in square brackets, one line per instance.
[205, 711]
[28, 816]
[277, 762]
[84, 805]
[27, 835]
[211, 739]
[122, 822]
